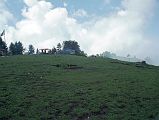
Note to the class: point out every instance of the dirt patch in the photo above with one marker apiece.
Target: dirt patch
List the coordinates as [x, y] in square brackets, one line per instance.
[68, 66]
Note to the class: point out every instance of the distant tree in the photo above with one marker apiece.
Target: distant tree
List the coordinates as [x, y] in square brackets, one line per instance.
[3, 47]
[59, 46]
[16, 49]
[19, 48]
[31, 49]
[72, 45]
[37, 51]
[12, 49]
[83, 54]
[53, 51]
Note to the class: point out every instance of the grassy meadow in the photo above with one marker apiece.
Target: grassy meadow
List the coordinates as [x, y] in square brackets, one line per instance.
[48, 87]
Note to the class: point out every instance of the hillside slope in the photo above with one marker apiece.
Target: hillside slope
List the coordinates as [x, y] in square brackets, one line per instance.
[77, 88]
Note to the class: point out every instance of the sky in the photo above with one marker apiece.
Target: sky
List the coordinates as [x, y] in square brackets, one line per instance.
[119, 26]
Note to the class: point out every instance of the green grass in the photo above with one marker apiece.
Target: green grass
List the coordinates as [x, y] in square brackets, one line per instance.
[32, 88]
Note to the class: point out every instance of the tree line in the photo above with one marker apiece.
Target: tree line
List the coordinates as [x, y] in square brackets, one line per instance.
[17, 48]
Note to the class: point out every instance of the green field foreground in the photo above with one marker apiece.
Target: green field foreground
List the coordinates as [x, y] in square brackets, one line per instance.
[62, 87]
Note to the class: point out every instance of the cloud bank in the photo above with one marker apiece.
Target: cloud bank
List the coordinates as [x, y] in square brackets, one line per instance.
[121, 32]
[5, 15]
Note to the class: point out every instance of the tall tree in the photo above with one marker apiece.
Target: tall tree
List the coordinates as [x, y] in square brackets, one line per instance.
[72, 45]
[19, 48]
[3, 47]
[53, 51]
[59, 46]
[12, 49]
[16, 49]
[31, 49]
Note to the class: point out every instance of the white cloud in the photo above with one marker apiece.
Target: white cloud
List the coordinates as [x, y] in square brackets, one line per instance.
[30, 3]
[43, 25]
[121, 32]
[37, 11]
[80, 13]
[5, 15]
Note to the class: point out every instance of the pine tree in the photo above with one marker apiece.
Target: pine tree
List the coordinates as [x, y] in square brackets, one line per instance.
[19, 48]
[12, 49]
[16, 49]
[31, 49]
[3, 47]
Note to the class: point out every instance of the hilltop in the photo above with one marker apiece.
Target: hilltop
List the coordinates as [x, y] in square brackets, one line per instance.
[67, 87]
